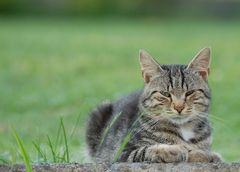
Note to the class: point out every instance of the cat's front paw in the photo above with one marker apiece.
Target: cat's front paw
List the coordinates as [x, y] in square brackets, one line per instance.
[167, 153]
[202, 156]
[216, 157]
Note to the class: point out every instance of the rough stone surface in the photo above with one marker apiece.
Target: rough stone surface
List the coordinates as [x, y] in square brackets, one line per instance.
[127, 167]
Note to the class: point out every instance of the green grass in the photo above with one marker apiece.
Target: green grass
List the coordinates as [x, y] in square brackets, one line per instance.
[58, 149]
[52, 68]
[23, 151]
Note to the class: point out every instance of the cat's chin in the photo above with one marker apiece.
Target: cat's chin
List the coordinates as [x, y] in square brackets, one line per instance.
[177, 119]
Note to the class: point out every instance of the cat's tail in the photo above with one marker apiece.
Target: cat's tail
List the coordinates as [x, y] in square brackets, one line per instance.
[98, 120]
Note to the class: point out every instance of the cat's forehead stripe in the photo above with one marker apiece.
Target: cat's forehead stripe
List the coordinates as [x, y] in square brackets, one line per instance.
[176, 75]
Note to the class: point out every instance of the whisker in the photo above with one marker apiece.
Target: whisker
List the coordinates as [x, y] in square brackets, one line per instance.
[221, 122]
[214, 116]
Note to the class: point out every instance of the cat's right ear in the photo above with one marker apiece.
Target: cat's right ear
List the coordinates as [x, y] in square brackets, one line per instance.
[149, 66]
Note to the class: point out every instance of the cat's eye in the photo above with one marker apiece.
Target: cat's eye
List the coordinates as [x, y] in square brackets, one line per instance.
[166, 94]
[154, 92]
[189, 93]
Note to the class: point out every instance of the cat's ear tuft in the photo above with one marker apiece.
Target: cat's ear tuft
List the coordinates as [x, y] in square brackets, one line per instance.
[201, 63]
[149, 66]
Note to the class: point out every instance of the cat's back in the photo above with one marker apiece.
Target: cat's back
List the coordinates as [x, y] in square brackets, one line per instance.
[127, 105]
[120, 114]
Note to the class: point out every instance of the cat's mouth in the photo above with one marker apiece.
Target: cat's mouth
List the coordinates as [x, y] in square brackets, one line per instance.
[174, 116]
[170, 115]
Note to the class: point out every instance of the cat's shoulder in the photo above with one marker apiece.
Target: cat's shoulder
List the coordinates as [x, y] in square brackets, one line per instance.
[132, 97]
[128, 102]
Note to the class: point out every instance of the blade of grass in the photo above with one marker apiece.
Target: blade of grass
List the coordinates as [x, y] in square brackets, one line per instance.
[23, 151]
[127, 138]
[51, 148]
[58, 137]
[75, 126]
[61, 159]
[4, 160]
[108, 128]
[123, 145]
[65, 141]
[64, 156]
[40, 152]
[58, 143]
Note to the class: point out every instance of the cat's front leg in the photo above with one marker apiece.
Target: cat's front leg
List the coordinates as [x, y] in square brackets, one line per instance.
[197, 155]
[159, 153]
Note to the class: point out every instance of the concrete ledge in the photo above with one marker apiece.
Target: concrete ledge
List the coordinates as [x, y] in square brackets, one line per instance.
[181, 167]
[127, 167]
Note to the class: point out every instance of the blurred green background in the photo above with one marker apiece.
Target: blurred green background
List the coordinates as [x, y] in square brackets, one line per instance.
[60, 58]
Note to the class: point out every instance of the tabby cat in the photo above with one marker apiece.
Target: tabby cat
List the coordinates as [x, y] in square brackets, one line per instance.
[167, 120]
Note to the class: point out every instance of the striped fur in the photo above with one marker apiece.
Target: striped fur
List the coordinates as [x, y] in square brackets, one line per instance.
[168, 119]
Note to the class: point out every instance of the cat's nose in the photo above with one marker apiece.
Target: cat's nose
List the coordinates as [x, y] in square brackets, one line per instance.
[179, 106]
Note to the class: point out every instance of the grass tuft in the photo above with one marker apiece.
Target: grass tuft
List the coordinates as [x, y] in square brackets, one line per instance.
[59, 151]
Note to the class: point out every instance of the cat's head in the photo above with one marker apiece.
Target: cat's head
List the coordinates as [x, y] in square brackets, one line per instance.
[176, 92]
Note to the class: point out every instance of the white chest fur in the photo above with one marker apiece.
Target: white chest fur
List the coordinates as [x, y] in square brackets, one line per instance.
[187, 133]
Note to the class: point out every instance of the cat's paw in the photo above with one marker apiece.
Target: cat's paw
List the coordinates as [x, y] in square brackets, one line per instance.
[216, 157]
[166, 153]
[202, 156]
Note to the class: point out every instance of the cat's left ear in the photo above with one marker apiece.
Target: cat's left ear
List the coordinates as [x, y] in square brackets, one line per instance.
[201, 63]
